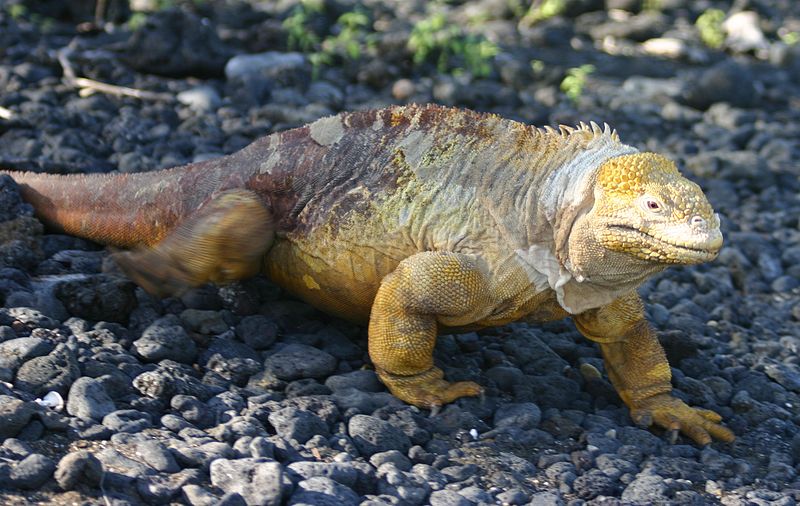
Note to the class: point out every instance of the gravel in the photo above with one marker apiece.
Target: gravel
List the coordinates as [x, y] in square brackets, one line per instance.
[241, 395]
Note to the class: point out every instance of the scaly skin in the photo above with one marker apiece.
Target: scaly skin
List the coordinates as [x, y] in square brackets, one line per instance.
[420, 219]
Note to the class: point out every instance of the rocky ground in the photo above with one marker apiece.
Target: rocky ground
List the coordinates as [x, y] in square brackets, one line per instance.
[241, 394]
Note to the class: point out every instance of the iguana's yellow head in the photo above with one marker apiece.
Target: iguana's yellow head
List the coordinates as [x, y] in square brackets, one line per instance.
[644, 208]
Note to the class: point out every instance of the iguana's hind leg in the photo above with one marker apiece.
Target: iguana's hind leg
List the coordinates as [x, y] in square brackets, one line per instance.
[425, 289]
[224, 241]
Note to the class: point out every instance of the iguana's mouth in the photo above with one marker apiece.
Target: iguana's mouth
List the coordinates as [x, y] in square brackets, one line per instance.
[665, 250]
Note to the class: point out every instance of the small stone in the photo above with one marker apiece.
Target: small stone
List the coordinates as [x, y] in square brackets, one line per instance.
[323, 491]
[448, 498]
[297, 361]
[78, 467]
[88, 399]
[53, 372]
[166, 339]
[258, 481]
[204, 321]
[372, 435]
[524, 415]
[127, 420]
[16, 351]
[300, 425]
[272, 63]
[743, 32]
[14, 415]
[257, 331]
[32, 472]
[157, 456]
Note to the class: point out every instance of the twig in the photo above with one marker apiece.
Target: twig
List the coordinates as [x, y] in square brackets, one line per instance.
[88, 87]
[6, 113]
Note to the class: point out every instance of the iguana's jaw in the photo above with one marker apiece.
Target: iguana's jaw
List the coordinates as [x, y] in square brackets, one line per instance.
[686, 243]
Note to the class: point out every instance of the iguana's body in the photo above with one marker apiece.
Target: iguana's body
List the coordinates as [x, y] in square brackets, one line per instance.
[417, 218]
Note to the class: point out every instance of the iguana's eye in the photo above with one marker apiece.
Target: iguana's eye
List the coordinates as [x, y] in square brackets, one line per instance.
[651, 204]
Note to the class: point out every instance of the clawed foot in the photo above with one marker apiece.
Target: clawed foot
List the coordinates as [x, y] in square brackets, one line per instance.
[428, 389]
[673, 414]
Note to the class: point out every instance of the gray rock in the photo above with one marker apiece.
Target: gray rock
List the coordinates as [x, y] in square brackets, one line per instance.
[203, 455]
[78, 467]
[88, 399]
[127, 420]
[394, 456]
[524, 415]
[168, 380]
[16, 351]
[269, 64]
[448, 498]
[342, 473]
[297, 361]
[14, 415]
[646, 489]
[787, 375]
[53, 372]
[32, 472]
[372, 435]
[161, 488]
[204, 321]
[258, 481]
[321, 491]
[300, 425]
[157, 456]
[166, 339]
[257, 331]
[362, 379]
[195, 495]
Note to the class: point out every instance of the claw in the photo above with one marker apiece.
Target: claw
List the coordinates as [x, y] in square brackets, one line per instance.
[435, 410]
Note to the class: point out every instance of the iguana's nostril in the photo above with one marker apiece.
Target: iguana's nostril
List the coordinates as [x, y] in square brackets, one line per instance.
[698, 221]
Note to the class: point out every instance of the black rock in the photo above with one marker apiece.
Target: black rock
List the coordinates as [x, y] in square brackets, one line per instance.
[727, 81]
[98, 297]
[174, 42]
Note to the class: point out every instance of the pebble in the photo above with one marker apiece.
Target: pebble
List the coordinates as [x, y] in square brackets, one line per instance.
[78, 467]
[297, 361]
[88, 399]
[165, 339]
[32, 472]
[258, 481]
[372, 435]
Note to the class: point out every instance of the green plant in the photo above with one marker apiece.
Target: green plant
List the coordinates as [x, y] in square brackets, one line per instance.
[575, 81]
[352, 36]
[17, 11]
[298, 27]
[434, 39]
[709, 24]
[789, 38]
[137, 20]
[541, 10]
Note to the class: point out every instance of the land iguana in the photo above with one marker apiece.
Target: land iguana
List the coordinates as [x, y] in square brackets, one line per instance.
[417, 220]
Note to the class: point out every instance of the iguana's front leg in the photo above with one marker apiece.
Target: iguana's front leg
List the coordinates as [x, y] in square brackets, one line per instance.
[638, 368]
[426, 289]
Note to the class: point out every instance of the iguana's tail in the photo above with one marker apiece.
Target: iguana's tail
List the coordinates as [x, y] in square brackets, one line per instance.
[116, 209]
